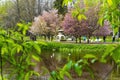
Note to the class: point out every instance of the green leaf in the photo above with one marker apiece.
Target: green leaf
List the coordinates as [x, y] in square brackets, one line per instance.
[65, 2]
[80, 61]
[116, 54]
[14, 51]
[110, 49]
[4, 50]
[68, 75]
[53, 72]
[78, 69]
[67, 66]
[81, 16]
[20, 25]
[37, 48]
[24, 32]
[109, 2]
[91, 72]
[10, 41]
[35, 57]
[54, 75]
[101, 21]
[19, 48]
[75, 13]
[30, 73]
[88, 56]
[93, 60]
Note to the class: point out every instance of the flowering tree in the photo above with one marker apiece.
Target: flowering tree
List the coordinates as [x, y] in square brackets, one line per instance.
[74, 27]
[103, 31]
[88, 10]
[92, 20]
[47, 24]
[53, 21]
[39, 26]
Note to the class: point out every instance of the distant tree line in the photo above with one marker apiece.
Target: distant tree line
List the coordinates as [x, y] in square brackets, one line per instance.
[14, 11]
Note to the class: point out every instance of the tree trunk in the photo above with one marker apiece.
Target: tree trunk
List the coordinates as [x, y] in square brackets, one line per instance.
[52, 38]
[76, 39]
[45, 37]
[104, 38]
[48, 37]
[28, 7]
[39, 7]
[80, 39]
[18, 9]
[88, 40]
[32, 37]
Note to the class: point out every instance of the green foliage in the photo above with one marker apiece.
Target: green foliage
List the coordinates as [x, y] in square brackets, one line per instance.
[65, 2]
[110, 2]
[107, 52]
[58, 5]
[81, 56]
[89, 3]
[65, 70]
[23, 27]
[116, 54]
[3, 78]
[110, 11]
[60, 75]
[18, 52]
[78, 69]
[111, 51]
[95, 52]
[81, 7]
[30, 73]
[88, 56]
[74, 51]
[4, 6]
[79, 12]
[77, 66]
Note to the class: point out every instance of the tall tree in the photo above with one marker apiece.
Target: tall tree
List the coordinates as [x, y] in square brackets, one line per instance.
[22, 10]
[47, 24]
[92, 20]
[74, 27]
[18, 9]
[53, 21]
[58, 5]
[39, 26]
[4, 18]
[105, 30]
[87, 10]
[110, 10]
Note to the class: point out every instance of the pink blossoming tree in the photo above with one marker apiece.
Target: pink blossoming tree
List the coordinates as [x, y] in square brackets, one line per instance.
[74, 27]
[47, 24]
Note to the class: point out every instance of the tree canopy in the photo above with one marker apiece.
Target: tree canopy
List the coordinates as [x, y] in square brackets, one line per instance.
[110, 10]
[58, 5]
